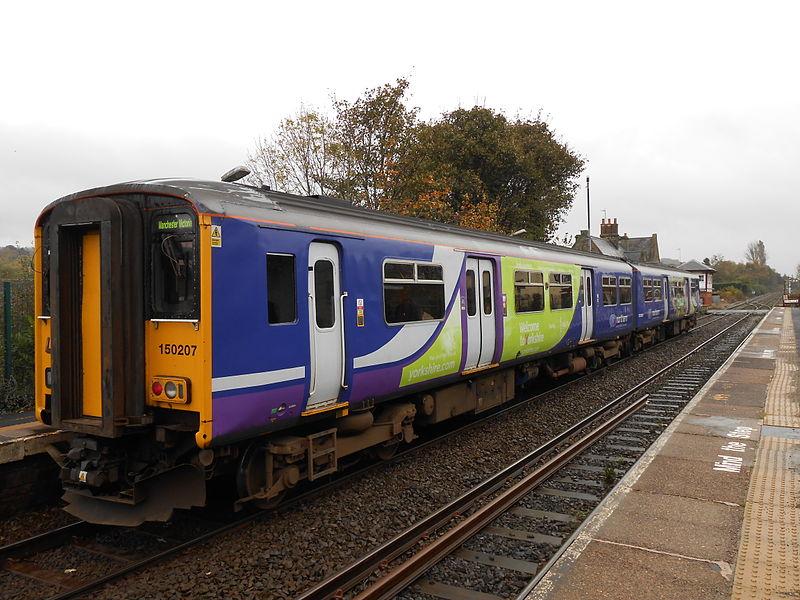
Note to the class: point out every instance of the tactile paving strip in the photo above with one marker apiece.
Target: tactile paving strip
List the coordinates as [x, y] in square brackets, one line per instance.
[782, 407]
[768, 565]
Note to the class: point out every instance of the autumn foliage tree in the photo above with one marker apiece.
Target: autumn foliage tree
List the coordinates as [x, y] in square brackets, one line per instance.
[513, 172]
[471, 167]
[753, 276]
[298, 157]
[373, 132]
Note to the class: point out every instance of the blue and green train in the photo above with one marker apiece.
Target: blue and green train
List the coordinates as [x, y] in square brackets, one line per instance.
[187, 329]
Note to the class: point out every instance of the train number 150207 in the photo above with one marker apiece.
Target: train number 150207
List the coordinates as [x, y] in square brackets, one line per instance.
[178, 349]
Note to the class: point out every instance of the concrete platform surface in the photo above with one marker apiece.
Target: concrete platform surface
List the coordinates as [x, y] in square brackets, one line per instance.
[21, 436]
[712, 510]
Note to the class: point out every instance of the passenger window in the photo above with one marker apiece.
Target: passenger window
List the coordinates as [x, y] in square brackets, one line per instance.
[398, 270]
[429, 272]
[624, 290]
[413, 292]
[281, 295]
[647, 285]
[560, 291]
[471, 298]
[487, 293]
[528, 291]
[609, 290]
[657, 295]
[324, 300]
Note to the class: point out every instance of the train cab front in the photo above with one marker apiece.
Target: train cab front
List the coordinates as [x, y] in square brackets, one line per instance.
[118, 274]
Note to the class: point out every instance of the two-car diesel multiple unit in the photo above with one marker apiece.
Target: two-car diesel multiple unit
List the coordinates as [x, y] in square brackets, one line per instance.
[187, 329]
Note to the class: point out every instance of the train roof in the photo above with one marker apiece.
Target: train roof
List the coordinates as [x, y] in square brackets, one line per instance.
[263, 204]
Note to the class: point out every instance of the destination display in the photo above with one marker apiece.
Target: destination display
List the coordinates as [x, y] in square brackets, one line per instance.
[177, 222]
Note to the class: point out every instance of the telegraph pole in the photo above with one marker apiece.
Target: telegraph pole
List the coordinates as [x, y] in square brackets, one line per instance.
[588, 217]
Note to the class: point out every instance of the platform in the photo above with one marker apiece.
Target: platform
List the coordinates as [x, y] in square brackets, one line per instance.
[712, 510]
[21, 435]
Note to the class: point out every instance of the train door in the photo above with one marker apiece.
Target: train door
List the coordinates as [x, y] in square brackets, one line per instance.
[666, 290]
[587, 311]
[325, 325]
[91, 340]
[480, 313]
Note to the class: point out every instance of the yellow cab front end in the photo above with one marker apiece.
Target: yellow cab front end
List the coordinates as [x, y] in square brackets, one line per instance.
[123, 354]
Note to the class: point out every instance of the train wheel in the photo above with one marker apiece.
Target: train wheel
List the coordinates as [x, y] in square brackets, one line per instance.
[386, 451]
[251, 477]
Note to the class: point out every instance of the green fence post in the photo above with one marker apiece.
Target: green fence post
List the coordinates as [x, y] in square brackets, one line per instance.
[7, 316]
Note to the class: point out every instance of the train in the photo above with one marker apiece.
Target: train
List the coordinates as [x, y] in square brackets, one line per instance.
[791, 292]
[188, 331]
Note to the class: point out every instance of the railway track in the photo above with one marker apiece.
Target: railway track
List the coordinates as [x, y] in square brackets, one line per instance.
[763, 302]
[44, 561]
[534, 507]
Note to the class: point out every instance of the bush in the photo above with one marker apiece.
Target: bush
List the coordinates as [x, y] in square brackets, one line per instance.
[17, 389]
[731, 294]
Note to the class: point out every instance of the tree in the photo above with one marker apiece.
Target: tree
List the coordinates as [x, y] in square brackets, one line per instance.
[516, 169]
[297, 157]
[474, 168]
[756, 253]
[797, 272]
[372, 133]
[748, 278]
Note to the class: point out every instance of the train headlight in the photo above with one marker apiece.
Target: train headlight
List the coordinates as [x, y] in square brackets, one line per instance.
[48, 377]
[171, 389]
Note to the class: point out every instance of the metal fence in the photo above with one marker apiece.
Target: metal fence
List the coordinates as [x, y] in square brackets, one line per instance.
[16, 346]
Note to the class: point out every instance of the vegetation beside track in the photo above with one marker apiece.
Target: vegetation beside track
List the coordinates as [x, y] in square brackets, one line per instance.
[16, 329]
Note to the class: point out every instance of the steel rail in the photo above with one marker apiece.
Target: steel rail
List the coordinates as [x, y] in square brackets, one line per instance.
[407, 572]
[45, 541]
[135, 565]
[336, 585]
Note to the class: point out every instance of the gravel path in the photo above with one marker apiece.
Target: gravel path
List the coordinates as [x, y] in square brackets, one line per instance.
[284, 553]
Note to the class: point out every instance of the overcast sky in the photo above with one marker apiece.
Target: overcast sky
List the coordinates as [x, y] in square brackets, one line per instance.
[688, 113]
